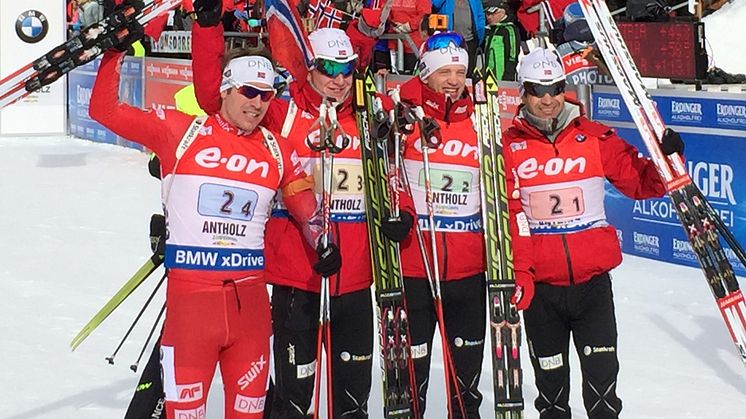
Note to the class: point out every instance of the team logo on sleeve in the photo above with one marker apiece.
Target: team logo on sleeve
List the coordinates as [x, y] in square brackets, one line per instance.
[32, 26]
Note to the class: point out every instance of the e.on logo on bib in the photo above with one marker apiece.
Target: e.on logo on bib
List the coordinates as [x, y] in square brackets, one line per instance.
[212, 157]
[530, 168]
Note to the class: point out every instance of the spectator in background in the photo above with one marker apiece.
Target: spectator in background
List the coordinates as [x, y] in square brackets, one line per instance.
[73, 17]
[552, 10]
[405, 18]
[90, 12]
[467, 18]
[502, 40]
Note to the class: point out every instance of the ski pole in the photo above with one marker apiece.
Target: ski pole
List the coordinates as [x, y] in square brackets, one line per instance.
[430, 139]
[327, 146]
[110, 358]
[133, 367]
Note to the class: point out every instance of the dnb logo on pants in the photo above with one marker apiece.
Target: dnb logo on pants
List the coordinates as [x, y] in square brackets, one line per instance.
[32, 26]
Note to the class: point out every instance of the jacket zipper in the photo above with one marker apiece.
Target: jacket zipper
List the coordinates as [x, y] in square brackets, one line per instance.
[569, 260]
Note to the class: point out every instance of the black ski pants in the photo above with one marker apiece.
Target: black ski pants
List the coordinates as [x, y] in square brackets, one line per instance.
[587, 312]
[295, 316]
[464, 312]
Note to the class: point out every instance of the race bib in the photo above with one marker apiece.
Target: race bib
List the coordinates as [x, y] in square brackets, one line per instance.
[348, 189]
[557, 203]
[564, 207]
[455, 196]
[347, 179]
[456, 181]
[226, 202]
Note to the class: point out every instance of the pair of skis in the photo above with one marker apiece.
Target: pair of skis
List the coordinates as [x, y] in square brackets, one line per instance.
[122, 26]
[505, 322]
[384, 178]
[381, 202]
[702, 224]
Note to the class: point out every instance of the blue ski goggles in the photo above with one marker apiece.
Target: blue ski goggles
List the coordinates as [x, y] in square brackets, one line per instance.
[443, 40]
[539, 90]
[332, 69]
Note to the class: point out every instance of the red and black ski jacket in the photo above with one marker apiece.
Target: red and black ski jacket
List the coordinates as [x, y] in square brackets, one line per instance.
[561, 191]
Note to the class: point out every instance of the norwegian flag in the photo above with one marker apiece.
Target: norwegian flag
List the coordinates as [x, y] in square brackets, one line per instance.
[325, 15]
[293, 50]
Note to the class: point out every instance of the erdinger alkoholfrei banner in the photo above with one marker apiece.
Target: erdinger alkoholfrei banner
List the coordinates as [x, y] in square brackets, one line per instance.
[28, 30]
[713, 127]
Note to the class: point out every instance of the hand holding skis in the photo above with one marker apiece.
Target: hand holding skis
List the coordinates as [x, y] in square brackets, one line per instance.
[524, 291]
[397, 229]
[208, 12]
[330, 260]
[671, 142]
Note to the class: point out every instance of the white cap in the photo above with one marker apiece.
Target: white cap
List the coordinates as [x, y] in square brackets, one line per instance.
[248, 70]
[331, 44]
[540, 66]
[431, 61]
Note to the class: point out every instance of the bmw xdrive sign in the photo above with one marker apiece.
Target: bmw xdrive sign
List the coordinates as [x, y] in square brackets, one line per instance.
[32, 26]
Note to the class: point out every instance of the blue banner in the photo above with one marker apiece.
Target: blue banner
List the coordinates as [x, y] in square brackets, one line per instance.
[714, 131]
[79, 88]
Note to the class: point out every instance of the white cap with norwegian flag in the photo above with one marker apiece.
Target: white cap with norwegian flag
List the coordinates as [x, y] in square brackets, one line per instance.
[331, 44]
[252, 70]
[540, 66]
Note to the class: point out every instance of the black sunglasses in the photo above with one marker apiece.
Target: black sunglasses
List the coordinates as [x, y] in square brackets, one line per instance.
[539, 90]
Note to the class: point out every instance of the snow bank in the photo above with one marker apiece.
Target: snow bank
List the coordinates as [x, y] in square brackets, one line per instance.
[726, 37]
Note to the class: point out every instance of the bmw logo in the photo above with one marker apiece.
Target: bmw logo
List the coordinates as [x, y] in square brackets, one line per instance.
[32, 26]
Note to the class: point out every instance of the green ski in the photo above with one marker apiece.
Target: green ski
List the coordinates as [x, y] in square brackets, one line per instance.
[505, 322]
[131, 285]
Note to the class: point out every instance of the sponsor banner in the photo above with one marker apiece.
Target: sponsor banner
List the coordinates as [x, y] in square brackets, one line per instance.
[79, 88]
[174, 42]
[163, 78]
[578, 70]
[28, 30]
[706, 110]
[715, 160]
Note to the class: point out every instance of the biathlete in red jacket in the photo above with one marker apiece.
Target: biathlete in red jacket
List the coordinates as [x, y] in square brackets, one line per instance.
[221, 174]
[558, 160]
[296, 284]
[441, 91]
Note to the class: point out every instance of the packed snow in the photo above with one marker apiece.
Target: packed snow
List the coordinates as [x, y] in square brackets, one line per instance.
[74, 225]
[726, 36]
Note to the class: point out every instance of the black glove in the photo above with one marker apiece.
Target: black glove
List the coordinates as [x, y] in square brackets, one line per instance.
[330, 260]
[154, 166]
[397, 230]
[208, 12]
[158, 234]
[671, 142]
[135, 30]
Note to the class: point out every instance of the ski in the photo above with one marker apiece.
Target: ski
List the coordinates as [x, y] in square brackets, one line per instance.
[701, 223]
[130, 286]
[505, 322]
[81, 49]
[374, 128]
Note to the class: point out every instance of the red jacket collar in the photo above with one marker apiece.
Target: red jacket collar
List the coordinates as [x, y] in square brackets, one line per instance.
[227, 126]
[309, 99]
[434, 104]
[526, 129]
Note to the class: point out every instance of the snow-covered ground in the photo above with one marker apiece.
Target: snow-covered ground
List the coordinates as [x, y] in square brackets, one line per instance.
[74, 226]
[726, 36]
